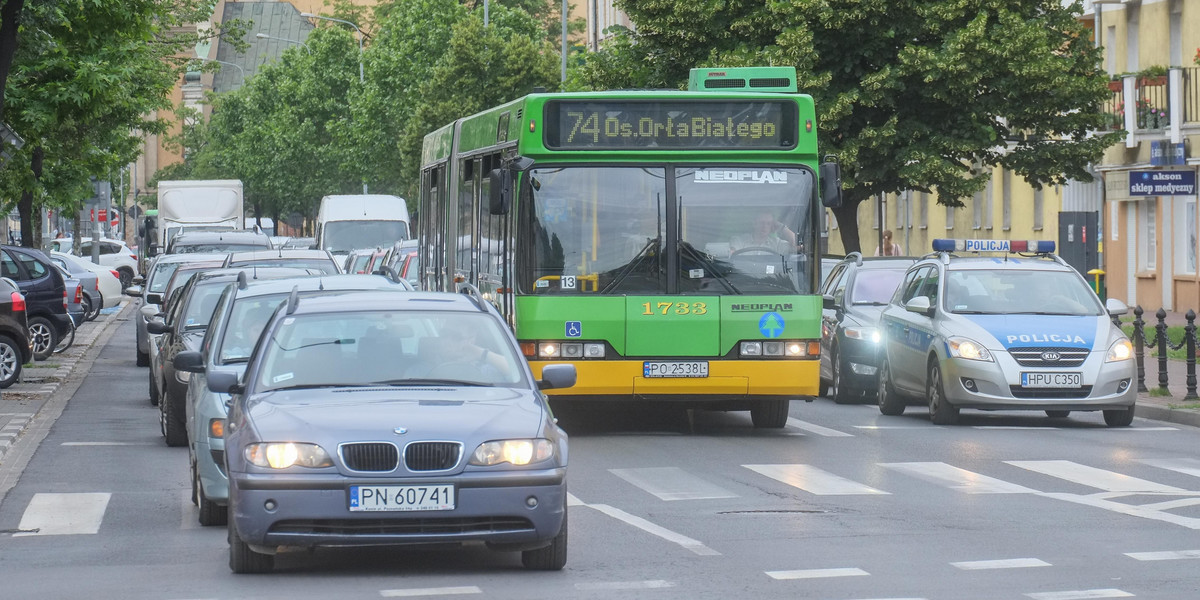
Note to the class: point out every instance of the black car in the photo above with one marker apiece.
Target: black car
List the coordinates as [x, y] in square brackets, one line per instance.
[187, 318]
[854, 294]
[45, 296]
[14, 332]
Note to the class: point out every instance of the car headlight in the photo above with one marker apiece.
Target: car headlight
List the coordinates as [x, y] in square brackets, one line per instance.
[1120, 350]
[517, 452]
[281, 455]
[961, 347]
[870, 334]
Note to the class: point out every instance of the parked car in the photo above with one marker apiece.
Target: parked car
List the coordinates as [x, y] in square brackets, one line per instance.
[108, 280]
[88, 290]
[152, 294]
[358, 262]
[854, 295]
[444, 437]
[191, 242]
[183, 328]
[45, 296]
[240, 316]
[113, 253]
[14, 332]
[75, 298]
[318, 261]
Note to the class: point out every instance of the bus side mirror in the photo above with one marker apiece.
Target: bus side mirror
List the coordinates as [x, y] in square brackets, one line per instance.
[831, 184]
[499, 191]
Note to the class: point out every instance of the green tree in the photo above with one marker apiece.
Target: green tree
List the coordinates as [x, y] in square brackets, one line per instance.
[910, 94]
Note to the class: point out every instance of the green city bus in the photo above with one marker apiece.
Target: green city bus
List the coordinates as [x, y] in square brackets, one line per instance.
[663, 242]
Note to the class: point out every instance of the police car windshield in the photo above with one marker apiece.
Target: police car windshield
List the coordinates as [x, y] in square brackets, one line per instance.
[1014, 291]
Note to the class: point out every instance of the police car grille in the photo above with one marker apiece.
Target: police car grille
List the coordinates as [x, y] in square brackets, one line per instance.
[373, 456]
[1080, 392]
[1032, 357]
[432, 456]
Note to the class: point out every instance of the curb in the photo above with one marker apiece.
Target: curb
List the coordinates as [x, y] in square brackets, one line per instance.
[1157, 412]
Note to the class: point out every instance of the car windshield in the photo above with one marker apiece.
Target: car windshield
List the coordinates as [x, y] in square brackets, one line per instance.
[875, 286]
[246, 322]
[161, 276]
[215, 247]
[312, 265]
[343, 236]
[1019, 291]
[391, 347]
[199, 310]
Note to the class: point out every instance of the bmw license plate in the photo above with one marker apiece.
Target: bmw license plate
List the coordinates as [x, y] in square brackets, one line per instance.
[1051, 380]
[374, 498]
[683, 368]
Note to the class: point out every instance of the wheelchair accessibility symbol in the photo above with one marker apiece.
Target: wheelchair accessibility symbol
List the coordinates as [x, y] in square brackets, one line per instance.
[574, 329]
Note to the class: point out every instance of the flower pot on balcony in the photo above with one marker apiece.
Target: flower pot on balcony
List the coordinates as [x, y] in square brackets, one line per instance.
[1116, 85]
[1152, 81]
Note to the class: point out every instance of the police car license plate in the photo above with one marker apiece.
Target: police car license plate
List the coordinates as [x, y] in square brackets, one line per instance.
[375, 498]
[1051, 380]
[685, 368]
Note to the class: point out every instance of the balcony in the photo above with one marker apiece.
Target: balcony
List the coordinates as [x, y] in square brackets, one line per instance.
[1155, 108]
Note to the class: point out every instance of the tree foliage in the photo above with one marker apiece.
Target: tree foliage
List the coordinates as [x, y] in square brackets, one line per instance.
[910, 94]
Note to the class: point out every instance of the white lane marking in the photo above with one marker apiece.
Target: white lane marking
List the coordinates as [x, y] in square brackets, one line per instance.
[813, 480]
[187, 511]
[63, 514]
[109, 444]
[883, 427]
[442, 591]
[672, 483]
[1187, 466]
[1016, 427]
[1091, 476]
[816, 573]
[1167, 555]
[958, 479]
[655, 530]
[1008, 563]
[1103, 501]
[1172, 504]
[1114, 429]
[652, 584]
[1080, 594]
[817, 429]
[573, 501]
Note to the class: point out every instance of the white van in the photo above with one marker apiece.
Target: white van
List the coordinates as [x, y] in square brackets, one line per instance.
[353, 221]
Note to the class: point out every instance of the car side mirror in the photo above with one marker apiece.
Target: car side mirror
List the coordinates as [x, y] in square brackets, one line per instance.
[557, 377]
[152, 250]
[831, 184]
[157, 326]
[223, 382]
[1115, 307]
[190, 361]
[154, 298]
[828, 302]
[134, 290]
[920, 305]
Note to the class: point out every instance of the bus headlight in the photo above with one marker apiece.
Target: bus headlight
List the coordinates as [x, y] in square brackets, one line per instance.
[549, 350]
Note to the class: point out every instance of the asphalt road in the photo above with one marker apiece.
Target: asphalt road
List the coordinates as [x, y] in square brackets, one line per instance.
[842, 504]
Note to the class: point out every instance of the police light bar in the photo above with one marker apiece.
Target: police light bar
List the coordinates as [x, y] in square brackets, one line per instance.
[958, 245]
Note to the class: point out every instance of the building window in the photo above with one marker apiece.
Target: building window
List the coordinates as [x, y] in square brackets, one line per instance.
[1037, 210]
[977, 210]
[1006, 201]
[922, 209]
[876, 208]
[950, 216]
[1185, 239]
[1148, 250]
[987, 205]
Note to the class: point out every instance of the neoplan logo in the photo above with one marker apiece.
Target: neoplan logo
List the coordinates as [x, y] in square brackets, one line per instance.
[760, 307]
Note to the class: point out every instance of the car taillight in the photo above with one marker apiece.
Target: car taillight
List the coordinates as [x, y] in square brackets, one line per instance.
[133, 256]
[78, 294]
[65, 304]
[18, 302]
[115, 274]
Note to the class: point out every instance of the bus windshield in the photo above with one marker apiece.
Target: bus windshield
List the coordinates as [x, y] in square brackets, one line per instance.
[605, 230]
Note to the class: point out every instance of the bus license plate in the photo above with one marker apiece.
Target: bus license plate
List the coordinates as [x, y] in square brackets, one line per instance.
[690, 368]
[374, 498]
[1051, 380]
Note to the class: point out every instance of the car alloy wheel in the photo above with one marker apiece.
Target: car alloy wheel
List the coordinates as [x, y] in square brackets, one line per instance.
[10, 362]
[42, 337]
[890, 402]
[941, 412]
[837, 387]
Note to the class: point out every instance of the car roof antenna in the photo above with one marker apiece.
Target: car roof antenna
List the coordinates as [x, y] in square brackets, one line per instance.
[241, 280]
[293, 299]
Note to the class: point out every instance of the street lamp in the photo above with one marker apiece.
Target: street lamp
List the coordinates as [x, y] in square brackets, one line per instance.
[309, 15]
[264, 36]
[225, 62]
[360, 37]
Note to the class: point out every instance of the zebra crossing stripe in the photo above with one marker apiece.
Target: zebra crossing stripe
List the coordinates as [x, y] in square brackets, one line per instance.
[813, 480]
[1010, 563]
[957, 479]
[817, 429]
[63, 514]
[672, 483]
[816, 573]
[1168, 555]
[419, 592]
[1187, 466]
[1080, 594]
[1091, 476]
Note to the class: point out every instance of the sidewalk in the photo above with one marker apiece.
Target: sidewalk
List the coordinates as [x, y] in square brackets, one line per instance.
[21, 402]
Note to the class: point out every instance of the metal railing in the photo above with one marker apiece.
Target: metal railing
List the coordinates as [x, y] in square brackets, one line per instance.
[1162, 343]
[1191, 95]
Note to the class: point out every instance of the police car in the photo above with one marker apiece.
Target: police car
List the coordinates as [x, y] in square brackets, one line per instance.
[1009, 326]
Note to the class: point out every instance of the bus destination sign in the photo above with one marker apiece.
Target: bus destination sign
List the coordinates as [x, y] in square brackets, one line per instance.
[651, 125]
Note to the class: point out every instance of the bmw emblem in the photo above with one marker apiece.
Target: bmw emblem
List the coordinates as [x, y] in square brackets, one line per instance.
[1051, 356]
[401, 430]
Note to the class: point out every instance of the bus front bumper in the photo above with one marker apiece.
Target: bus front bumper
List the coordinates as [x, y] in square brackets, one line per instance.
[726, 379]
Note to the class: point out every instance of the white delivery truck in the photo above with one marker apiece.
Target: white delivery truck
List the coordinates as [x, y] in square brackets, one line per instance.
[353, 221]
[213, 204]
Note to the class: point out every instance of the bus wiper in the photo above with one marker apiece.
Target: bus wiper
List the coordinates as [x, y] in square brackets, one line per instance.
[708, 264]
[634, 262]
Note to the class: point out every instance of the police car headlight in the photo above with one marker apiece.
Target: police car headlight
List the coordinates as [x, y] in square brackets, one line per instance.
[1120, 350]
[870, 334]
[969, 349]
